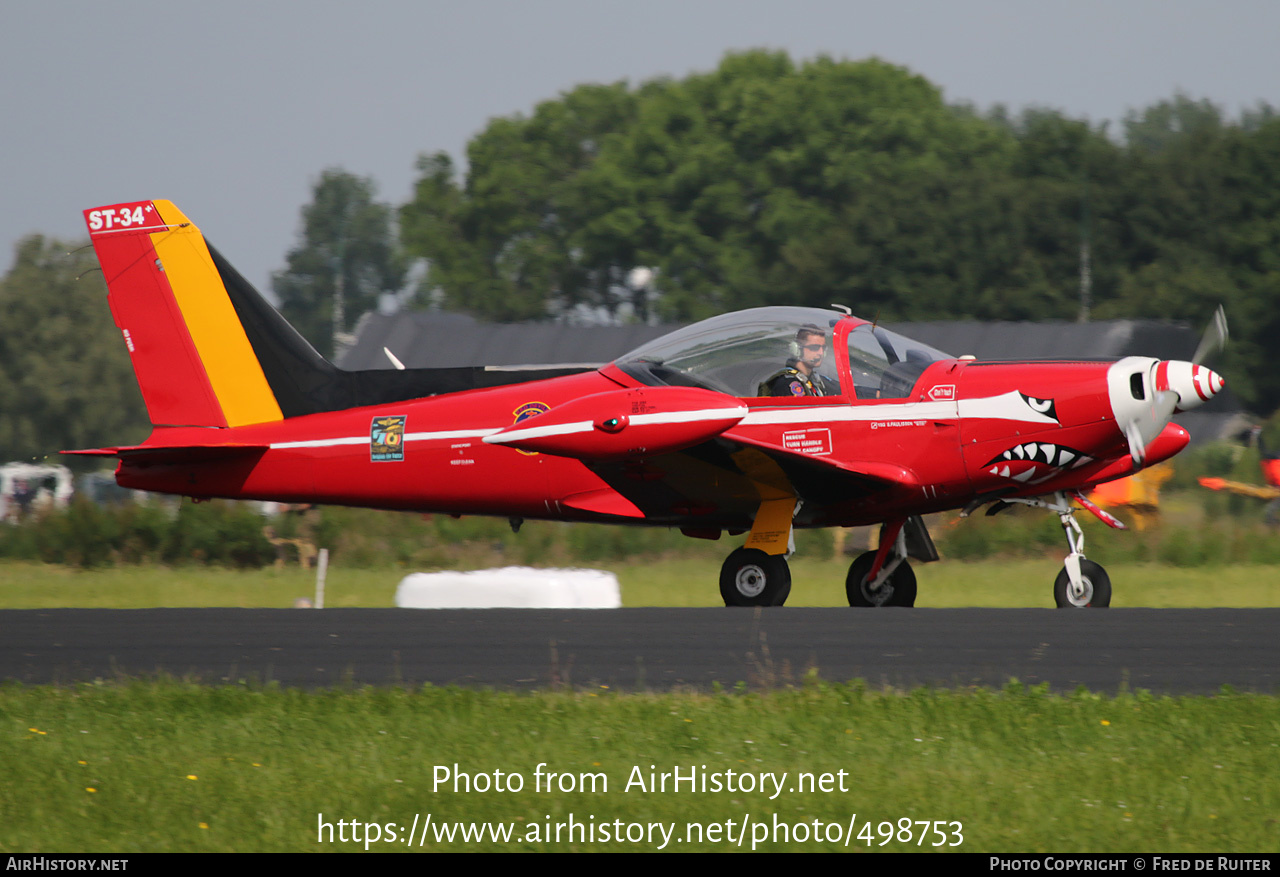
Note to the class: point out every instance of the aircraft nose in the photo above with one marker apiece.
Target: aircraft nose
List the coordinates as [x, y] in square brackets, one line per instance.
[1193, 383]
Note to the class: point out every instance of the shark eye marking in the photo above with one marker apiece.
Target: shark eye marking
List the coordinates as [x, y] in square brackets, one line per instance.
[1040, 406]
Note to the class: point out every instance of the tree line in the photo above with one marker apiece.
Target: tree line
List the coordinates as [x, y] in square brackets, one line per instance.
[764, 181]
[768, 181]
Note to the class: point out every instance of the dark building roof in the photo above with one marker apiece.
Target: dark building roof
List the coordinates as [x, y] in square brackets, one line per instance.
[1106, 339]
[436, 339]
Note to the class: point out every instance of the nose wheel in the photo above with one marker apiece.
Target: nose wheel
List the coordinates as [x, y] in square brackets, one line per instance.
[1094, 591]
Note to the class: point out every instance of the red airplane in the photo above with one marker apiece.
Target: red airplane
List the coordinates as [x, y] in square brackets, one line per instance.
[688, 431]
[1270, 463]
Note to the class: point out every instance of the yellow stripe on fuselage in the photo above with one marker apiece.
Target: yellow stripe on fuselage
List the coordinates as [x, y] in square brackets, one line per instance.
[225, 351]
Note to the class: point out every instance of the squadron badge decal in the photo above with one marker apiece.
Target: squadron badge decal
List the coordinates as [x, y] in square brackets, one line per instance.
[527, 410]
[386, 439]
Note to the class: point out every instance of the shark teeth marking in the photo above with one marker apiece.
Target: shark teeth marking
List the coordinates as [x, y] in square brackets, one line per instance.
[1045, 453]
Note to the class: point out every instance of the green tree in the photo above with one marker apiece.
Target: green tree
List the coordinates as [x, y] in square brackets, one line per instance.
[1169, 122]
[1200, 225]
[65, 377]
[769, 182]
[346, 259]
[759, 182]
[505, 244]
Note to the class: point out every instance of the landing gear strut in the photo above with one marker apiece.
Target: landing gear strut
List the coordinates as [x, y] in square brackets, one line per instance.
[1082, 583]
[883, 577]
[897, 589]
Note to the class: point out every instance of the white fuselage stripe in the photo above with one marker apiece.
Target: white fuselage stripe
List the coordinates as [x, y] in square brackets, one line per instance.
[540, 432]
[578, 426]
[691, 416]
[1009, 406]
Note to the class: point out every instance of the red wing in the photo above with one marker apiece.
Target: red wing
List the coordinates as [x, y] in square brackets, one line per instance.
[721, 484]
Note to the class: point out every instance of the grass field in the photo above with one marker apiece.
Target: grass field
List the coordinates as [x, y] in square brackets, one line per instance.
[167, 766]
[662, 582]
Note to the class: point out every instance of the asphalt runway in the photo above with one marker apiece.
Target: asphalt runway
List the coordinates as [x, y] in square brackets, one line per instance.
[1174, 651]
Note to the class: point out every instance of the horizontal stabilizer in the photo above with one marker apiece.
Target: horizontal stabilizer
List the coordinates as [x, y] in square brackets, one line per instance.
[173, 453]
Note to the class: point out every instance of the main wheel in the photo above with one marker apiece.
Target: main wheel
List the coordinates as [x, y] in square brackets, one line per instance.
[898, 590]
[750, 577]
[1097, 588]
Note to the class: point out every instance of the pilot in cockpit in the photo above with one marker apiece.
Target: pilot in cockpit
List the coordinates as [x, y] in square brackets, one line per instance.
[800, 377]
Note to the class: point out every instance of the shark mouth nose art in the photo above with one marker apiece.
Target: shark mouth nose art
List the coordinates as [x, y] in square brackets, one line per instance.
[1035, 461]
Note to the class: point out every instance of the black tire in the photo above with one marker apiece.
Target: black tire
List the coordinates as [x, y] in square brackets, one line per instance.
[1097, 588]
[750, 577]
[899, 590]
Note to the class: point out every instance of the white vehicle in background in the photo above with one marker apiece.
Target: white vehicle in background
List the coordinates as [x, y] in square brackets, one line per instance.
[30, 487]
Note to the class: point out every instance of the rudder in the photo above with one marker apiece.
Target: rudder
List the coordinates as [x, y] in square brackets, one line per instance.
[194, 363]
[209, 351]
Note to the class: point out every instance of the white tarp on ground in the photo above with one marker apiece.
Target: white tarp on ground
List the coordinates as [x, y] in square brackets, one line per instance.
[518, 587]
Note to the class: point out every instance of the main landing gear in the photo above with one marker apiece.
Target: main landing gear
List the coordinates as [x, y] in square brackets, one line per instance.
[893, 588]
[883, 577]
[751, 577]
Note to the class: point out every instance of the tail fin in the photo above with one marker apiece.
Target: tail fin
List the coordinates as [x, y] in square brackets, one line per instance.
[209, 351]
[194, 362]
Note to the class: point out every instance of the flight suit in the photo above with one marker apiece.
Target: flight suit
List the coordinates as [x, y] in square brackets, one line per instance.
[793, 382]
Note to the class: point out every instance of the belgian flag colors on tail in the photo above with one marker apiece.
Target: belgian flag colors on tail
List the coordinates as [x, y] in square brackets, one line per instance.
[210, 351]
[195, 364]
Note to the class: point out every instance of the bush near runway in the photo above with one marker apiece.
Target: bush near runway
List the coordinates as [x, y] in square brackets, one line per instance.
[88, 536]
[145, 767]
[232, 535]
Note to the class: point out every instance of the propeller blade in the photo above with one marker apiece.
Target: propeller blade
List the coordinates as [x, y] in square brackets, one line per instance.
[1137, 447]
[1214, 337]
[1150, 423]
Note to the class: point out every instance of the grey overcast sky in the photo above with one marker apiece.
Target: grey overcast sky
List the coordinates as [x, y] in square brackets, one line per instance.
[231, 108]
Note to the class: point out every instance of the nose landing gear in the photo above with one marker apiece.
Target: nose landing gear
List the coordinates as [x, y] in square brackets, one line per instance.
[1082, 583]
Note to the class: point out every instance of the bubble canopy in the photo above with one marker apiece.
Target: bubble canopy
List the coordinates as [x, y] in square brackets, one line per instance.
[739, 353]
